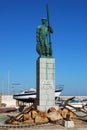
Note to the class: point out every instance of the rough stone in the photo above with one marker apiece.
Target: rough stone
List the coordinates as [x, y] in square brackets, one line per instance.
[26, 117]
[54, 116]
[34, 114]
[40, 120]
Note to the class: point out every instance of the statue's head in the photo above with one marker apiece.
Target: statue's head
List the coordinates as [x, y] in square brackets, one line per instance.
[44, 20]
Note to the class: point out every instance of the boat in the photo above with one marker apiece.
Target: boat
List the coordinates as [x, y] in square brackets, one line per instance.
[7, 109]
[31, 94]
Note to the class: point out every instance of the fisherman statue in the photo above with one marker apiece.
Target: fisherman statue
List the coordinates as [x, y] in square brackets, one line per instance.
[43, 38]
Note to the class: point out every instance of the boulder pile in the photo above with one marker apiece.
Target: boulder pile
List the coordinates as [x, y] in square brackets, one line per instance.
[32, 116]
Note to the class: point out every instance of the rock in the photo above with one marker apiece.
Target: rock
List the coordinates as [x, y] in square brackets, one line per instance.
[68, 113]
[30, 121]
[26, 117]
[15, 123]
[59, 111]
[34, 114]
[72, 115]
[42, 114]
[41, 120]
[54, 116]
[30, 113]
[51, 109]
[64, 113]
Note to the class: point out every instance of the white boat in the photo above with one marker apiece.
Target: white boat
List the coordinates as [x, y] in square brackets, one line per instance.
[31, 94]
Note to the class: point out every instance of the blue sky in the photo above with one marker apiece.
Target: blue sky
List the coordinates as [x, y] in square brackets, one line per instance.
[18, 22]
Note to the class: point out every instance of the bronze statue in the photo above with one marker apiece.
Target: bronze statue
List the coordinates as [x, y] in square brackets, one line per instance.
[43, 38]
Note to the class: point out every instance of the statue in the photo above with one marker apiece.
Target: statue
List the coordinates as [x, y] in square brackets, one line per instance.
[43, 38]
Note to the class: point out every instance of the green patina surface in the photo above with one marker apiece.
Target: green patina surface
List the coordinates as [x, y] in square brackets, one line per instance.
[43, 37]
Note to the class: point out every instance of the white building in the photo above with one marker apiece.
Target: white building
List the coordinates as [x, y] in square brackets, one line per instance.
[8, 100]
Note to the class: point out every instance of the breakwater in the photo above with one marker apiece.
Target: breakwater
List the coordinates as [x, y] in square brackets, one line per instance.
[79, 97]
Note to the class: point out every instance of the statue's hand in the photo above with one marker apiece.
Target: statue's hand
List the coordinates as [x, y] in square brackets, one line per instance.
[50, 29]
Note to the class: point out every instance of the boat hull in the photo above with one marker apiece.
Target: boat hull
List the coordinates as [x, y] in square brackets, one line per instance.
[26, 96]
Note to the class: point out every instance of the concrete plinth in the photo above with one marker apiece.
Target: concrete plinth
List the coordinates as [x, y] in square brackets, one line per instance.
[45, 82]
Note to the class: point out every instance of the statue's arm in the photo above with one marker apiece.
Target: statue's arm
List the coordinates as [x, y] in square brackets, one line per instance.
[37, 34]
[50, 29]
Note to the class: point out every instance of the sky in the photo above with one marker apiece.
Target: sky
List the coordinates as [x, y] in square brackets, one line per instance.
[18, 22]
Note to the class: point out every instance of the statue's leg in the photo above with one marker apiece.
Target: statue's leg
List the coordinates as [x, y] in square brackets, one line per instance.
[38, 48]
[47, 50]
[50, 50]
[43, 48]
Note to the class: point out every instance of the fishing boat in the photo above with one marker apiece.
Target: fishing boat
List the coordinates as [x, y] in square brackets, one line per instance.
[31, 94]
[7, 109]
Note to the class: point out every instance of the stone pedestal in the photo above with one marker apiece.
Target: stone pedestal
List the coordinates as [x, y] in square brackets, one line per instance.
[45, 83]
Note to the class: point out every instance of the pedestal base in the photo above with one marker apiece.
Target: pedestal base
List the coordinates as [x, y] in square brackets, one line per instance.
[45, 83]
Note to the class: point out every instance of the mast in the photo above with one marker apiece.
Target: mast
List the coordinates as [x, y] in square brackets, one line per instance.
[48, 19]
[8, 89]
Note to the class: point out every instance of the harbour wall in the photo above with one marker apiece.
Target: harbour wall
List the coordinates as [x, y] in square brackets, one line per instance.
[78, 97]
